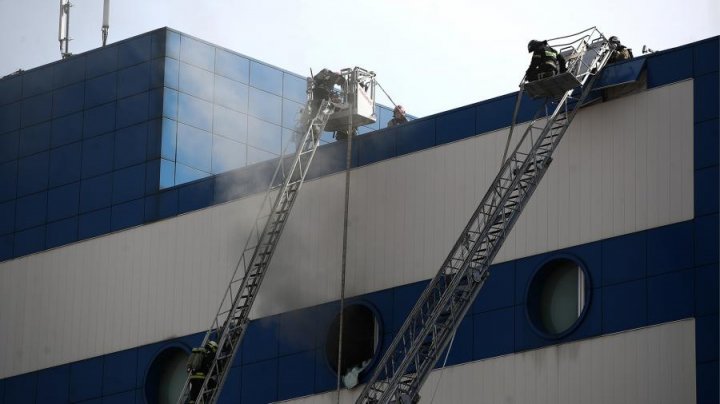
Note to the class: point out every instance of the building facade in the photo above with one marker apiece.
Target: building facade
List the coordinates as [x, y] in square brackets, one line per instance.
[131, 174]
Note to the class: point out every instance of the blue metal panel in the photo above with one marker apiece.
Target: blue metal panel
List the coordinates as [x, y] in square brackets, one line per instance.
[297, 331]
[591, 256]
[34, 139]
[167, 204]
[53, 385]
[97, 156]
[456, 125]
[127, 397]
[590, 325]
[127, 214]
[462, 348]
[706, 290]
[65, 164]
[68, 99]
[37, 109]
[94, 224]
[706, 58]
[10, 117]
[415, 136]
[158, 41]
[325, 378]
[21, 389]
[383, 302]
[707, 95]
[707, 377]
[10, 89]
[100, 90]
[624, 306]
[61, 233]
[624, 258]
[67, 129]
[296, 375]
[96, 193]
[29, 241]
[669, 67]
[119, 371]
[69, 71]
[154, 140]
[405, 298]
[671, 296]
[9, 143]
[128, 183]
[706, 239]
[33, 173]
[499, 289]
[525, 337]
[30, 211]
[8, 177]
[134, 51]
[524, 269]
[495, 114]
[670, 248]
[197, 195]
[99, 120]
[230, 393]
[7, 217]
[706, 191]
[329, 158]
[494, 333]
[6, 246]
[376, 147]
[63, 202]
[171, 73]
[324, 314]
[259, 382]
[620, 73]
[101, 61]
[261, 341]
[132, 110]
[37, 81]
[130, 145]
[706, 338]
[706, 145]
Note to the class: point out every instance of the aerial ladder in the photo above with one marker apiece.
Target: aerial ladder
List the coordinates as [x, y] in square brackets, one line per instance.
[334, 99]
[433, 321]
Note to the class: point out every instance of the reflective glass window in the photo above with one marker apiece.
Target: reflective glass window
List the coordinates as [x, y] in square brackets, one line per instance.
[101, 61]
[133, 80]
[289, 141]
[172, 44]
[196, 81]
[169, 139]
[134, 51]
[197, 53]
[37, 81]
[266, 78]
[10, 117]
[170, 103]
[327, 137]
[131, 145]
[9, 146]
[231, 94]
[231, 65]
[230, 124]
[33, 173]
[256, 155]
[99, 120]
[157, 73]
[34, 139]
[132, 110]
[67, 129]
[194, 147]
[291, 112]
[69, 71]
[227, 154]
[172, 69]
[185, 174]
[10, 89]
[100, 90]
[167, 173]
[264, 135]
[36, 109]
[194, 111]
[68, 99]
[265, 106]
[384, 116]
[295, 88]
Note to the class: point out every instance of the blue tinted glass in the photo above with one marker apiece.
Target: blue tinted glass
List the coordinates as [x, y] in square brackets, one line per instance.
[157, 73]
[172, 72]
[68, 99]
[196, 81]
[256, 155]
[130, 145]
[36, 109]
[327, 137]
[384, 116]
[194, 147]
[155, 102]
[289, 141]
[95, 193]
[169, 139]
[100, 90]
[61, 233]
[37, 81]
[158, 43]
[133, 80]
[67, 129]
[7, 217]
[231, 94]
[266, 78]
[69, 71]
[364, 129]
[101, 61]
[170, 103]
[132, 110]
[9, 146]
[30, 211]
[185, 174]
[10, 89]
[265, 106]
[34, 139]
[63, 202]
[8, 177]
[167, 174]
[295, 88]
[33, 173]
[227, 154]
[230, 124]
[99, 120]
[197, 53]
[264, 135]
[194, 111]
[233, 66]
[10, 117]
[134, 51]
[65, 164]
[97, 156]
[291, 114]
[172, 44]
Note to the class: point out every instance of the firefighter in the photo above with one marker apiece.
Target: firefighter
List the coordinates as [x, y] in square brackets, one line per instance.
[198, 366]
[546, 61]
[621, 51]
[399, 117]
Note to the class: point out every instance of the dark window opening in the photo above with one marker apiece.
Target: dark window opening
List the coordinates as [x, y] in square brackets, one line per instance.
[360, 341]
[166, 376]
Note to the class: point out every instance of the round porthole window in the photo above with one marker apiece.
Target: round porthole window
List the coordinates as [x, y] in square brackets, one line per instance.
[557, 297]
[166, 376]
[361, 338]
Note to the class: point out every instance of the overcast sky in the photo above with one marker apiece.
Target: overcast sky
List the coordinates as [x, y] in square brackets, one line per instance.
[429, 55]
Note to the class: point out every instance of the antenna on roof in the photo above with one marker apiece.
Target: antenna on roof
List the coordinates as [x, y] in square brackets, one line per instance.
[64, 28]
[106, 21]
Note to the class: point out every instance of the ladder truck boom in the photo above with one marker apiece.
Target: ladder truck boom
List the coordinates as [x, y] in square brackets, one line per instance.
[431, 324]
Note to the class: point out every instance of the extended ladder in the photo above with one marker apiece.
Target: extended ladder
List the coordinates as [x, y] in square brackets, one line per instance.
[429, 327]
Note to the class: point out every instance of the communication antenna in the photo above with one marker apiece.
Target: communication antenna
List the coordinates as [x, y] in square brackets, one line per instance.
[106, 21]
[64, 28]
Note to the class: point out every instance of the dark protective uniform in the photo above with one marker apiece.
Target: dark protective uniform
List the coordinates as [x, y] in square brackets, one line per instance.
[621, 51]
[198, 366]
[323, 87]
[546, 61]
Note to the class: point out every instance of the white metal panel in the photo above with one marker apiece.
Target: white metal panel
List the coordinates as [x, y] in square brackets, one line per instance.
[654, 365]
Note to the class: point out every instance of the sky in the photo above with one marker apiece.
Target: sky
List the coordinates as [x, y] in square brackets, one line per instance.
[429, 55]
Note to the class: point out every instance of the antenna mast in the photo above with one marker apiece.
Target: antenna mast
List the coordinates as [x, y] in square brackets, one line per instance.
[64, 28]
[106, 21]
